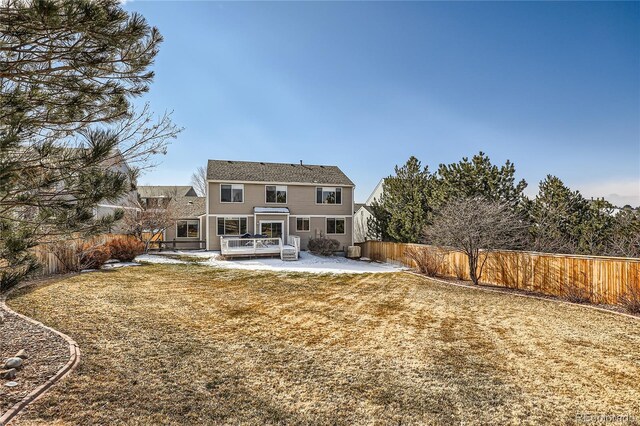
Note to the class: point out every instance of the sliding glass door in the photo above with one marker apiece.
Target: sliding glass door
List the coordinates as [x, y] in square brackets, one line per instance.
[272, 229]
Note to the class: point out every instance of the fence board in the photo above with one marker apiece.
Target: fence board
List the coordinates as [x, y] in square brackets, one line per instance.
[55, 258]
[604, 279]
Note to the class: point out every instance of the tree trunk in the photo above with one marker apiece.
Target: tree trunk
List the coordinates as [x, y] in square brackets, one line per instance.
[473, 268]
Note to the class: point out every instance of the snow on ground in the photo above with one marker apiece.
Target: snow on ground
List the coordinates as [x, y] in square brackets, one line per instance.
[158, 258]
[114, 265]
[306, 263]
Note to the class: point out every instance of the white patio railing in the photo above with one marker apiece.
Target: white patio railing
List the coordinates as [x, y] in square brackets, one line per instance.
[237, 246]
[249, 246]
[294, 241]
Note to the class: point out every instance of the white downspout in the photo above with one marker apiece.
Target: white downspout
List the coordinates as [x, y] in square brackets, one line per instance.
[208, 221]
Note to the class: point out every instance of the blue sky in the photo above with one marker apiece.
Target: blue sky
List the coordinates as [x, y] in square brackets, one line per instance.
[554, 87]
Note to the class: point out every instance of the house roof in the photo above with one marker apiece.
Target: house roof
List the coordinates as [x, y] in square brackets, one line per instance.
[270, 210]
[358, 206]
[188, 207]
[249, 171]
[166, 191]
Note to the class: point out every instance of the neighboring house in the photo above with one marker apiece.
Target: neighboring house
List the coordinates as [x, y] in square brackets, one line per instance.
[188, 229]
[363, 213]
[360, 222]
[109, 207]
[159, 196]
[278, 200]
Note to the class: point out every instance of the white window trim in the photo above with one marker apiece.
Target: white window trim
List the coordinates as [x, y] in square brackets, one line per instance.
[303, 217]
[241, 185]
[231, 217]
[286, 190]
[326, 230]
[187, 220]
[315, 195]
[284, 233]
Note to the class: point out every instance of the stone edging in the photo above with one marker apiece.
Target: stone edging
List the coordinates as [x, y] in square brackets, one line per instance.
[74, 359]
[530, 296]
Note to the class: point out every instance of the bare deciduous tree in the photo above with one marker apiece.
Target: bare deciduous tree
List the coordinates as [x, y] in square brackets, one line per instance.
[199, 181]
[146, 222]
[476, 227]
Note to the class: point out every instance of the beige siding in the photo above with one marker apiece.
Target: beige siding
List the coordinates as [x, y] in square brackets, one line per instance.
[171, 234]
[318, 229]
[301, 201]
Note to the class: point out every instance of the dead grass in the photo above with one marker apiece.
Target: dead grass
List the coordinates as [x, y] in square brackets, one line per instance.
[183, 344]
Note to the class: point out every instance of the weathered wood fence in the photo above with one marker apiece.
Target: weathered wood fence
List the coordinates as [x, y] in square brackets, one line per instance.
[603, 279]
[56, 258]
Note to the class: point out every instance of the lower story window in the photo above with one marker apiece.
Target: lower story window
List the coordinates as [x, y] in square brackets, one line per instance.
[302, 224]
[188, 228]
[232, 225]
[335, 226]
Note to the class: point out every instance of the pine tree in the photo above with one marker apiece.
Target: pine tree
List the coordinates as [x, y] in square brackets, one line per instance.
[557, 215]
[597, 228]
[625, 240]
[478, 177]
[404, 208]
[68, 72]
[378, 223]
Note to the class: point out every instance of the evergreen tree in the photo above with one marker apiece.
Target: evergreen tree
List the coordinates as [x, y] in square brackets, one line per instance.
[556, 215]
[378, 223]
[404, 208]
[625, 240]
[597, 228]
[478, 177]
[68, 71]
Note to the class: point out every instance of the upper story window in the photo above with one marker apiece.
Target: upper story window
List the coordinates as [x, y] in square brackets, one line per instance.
[329, 195]
[231, 193]
[276, 194]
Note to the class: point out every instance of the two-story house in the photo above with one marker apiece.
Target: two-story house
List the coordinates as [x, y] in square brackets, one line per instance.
[278, 200]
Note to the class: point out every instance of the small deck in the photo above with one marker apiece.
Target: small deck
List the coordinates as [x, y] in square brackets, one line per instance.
[250, 247]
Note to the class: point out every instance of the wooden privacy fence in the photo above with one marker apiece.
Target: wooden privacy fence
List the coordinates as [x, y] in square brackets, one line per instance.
[601, 279]
[56, 258]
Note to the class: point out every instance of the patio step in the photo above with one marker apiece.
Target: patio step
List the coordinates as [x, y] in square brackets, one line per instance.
[288, 254]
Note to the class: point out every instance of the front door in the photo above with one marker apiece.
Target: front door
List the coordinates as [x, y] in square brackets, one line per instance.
[272, 229]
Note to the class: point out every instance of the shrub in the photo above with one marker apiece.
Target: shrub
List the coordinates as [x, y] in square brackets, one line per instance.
[459, 271]
[323, 246]
[125, 250]
[576, 293]
[92, 256]
[631, 298]
[428, 261]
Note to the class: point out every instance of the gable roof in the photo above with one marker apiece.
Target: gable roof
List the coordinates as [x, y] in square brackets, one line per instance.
[359, 206]
[188, 207]
[148, 191]
[250, 171]
[376, 193]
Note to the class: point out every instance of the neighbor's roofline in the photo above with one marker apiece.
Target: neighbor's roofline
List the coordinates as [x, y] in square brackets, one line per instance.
[273, 163]
[267, 182]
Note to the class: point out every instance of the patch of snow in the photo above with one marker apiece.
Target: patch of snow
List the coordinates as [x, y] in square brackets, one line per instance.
[157, 258]
[306, 263]
[119, 265]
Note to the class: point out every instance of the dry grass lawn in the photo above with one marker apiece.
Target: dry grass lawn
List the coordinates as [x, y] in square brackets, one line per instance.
[187, 344]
